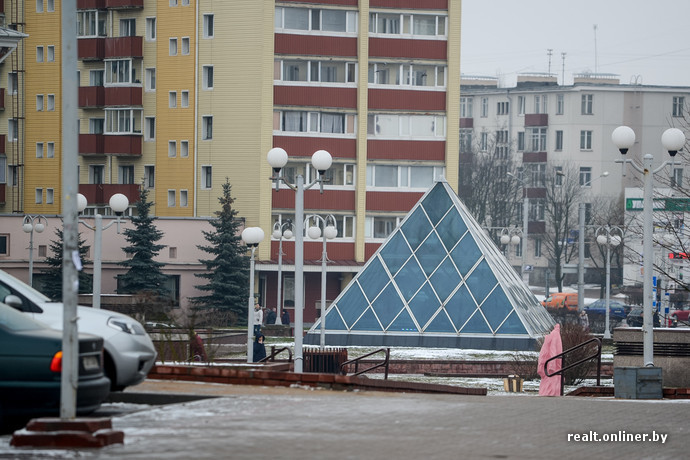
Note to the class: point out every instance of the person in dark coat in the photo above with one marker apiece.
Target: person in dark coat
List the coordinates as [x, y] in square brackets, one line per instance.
[285, 318]
[271, 316]
[259, 348]
[196, 348]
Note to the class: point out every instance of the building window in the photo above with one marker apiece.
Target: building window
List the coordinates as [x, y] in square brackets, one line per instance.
[125, 174]
[12, 82]
[678, 106]
[50, 153]
[185, 45]
[540, 103]
[560, 104]
[206, 177]
[485, 107]
[172, 149]
[50, 6]
[39, 6]
[96, 77]
[172, 252]
[123, 121]
[207, 76]
[51, 103]
[96, 174]
[171, 198]
[380, 125]
[149, 176]
[558, 176]
[184, 98]
[465, 141]
[128, 27]
[50, 196]
[172, 99]
[4, 245]
[559, 140]
[184, 149]
[150, 79]
[502, 108]
[537, 139]
[173, 3]
[521, 141]
[39, 196]
[587, 104]
[585, 176]
[39, 102]
[585, 140]
[91, 24]
[119, 71]
[424, 25]
[521, 105]
[537, 174]
[173, 47]
[39, 54]
[536, 210]
[466, 107]
[484, 141]
[183, 198]
[208, 26]
[51, 53]
[388, 176]
[39, 149]
[12, 130]
[150, 29]
[207, 127]
[150, 128]
[677, 178]
[537, 247]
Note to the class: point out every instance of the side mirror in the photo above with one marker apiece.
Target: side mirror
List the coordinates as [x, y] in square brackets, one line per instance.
[13, 301]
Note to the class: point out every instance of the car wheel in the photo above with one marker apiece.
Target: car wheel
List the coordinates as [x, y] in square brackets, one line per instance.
[111, 372]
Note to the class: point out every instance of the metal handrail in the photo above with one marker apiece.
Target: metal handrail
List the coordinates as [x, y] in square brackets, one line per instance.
[356, 361]
[562, 370]
[274, 352]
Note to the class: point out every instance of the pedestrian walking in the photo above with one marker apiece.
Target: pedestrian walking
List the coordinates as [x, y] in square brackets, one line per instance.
[258, 319]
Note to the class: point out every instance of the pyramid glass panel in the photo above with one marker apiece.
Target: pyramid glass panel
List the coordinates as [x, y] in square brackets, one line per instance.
[334, 321]
[403, 323]
[437, 203]
[451, 229]
[441, 323]
[512, 325]
[466, 254]
[477, 325]
[430, 254]
[410, 278]
[461, 306]
[367, 322]
[352, 304]
[496, 308]
[388, 305]
[445, 279]
[395, 253]
[424, 304]
[481, 281]
[416, 228]
[373, 278]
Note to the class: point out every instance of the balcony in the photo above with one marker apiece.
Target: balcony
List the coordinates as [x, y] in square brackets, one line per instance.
[118, 47]
[3, 140]
[2, 193]
[91, 97]
[99, 194]
[2, 98]
[91, 49]
[110, 144]
[123, 4]
[125, 96]
[536, 119]
[90, 4]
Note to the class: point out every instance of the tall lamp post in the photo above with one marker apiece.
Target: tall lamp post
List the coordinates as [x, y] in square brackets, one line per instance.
[119, 204]
[609, 236]
[672, 140]
[329, 232]
[281, 231]
[31, 224]
[321, 160]
[251, 236]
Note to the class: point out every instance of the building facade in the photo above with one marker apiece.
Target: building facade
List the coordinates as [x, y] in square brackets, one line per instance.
[179, 95]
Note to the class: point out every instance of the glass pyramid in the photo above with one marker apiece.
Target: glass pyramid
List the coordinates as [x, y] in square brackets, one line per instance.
[437, 281]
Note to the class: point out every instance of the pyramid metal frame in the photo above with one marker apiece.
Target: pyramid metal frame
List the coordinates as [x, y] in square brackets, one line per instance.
[437, 281]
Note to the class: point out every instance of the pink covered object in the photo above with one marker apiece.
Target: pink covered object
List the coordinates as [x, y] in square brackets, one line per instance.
[550, 386]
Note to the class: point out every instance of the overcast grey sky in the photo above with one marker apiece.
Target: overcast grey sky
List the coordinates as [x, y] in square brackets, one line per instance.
[645, 38]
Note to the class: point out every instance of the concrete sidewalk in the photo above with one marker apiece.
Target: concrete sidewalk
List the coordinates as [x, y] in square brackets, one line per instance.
[273, 422]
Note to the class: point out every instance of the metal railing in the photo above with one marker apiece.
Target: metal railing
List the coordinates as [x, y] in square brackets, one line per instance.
[356, 361]
[274, 352]
[562, 370]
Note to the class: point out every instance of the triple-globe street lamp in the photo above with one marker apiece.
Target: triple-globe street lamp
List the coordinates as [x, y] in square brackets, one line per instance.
[673, 140]
[321, 160]
[281, 231]
[29, 225]
[609, 236]
[251, 236]
[330, 231]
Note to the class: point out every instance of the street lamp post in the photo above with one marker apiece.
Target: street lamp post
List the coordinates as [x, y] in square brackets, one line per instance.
[321, 160]
[251, 236]
[31, 224]
[329, 232]
[118, 203]
[525, 222]
[281, 231]
[672, 140]
[609, 236]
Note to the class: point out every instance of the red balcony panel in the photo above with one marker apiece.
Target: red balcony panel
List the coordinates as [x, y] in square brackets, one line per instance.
[123, 145]
[306, 146]
[121, 4]
[392, 201]
[537, 119]
[535, 192]
[407, 48]
[467, 122]
[100, 193]
[315, 46]
[91, 144]
[406, 150]
[3, 140]
[124, 47]
[3, 187]
[534, 157]
[90, 4]
[315, 96]
[370, 249]
[536, 228]
[410, 4]
[91, 49]
[335, 200]
[401, 99]
[326, 2]
[91, 96]
[125, 96]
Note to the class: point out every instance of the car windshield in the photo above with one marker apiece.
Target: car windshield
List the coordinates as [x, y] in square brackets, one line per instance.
[11, 319]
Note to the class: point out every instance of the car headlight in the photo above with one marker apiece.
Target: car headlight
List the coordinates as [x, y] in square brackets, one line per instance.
[129, 327]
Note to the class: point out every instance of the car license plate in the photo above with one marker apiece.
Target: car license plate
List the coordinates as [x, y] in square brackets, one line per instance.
[90, 363]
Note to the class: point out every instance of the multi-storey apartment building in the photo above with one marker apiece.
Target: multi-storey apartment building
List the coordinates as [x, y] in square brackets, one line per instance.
[179, 95]
[546, 126]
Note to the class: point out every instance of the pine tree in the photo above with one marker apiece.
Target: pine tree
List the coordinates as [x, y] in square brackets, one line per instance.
[228, 271]
[51, 281]
[145, 274]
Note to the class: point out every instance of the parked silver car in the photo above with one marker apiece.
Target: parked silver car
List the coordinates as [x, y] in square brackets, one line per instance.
[129, 353]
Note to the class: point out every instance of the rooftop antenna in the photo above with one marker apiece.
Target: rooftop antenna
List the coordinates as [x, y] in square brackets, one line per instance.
[549, 52]
[596, 58]
[562, 68]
